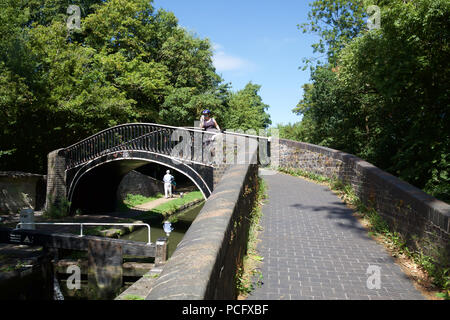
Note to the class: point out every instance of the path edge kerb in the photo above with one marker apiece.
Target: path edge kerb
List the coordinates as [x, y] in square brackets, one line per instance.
[421, 218]
[205, 262]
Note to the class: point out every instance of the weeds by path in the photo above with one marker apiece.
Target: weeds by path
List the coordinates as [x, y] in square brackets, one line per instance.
[249, 276]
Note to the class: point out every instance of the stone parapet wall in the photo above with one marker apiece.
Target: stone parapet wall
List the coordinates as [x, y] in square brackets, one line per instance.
[205, 263]
[219, 171]
[420, 218]
[310, 158]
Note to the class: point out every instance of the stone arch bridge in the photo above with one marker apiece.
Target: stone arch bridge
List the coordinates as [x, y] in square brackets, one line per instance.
[88, 172]
[313, 246]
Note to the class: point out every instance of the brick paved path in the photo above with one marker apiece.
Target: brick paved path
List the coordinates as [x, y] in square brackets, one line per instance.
[314, 248]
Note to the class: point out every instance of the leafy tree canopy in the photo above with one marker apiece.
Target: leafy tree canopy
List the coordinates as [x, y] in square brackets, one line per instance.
[128, 63]
[247, 110]
[383, 95]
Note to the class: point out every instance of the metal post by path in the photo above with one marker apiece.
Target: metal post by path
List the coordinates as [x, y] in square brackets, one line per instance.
[161, 252]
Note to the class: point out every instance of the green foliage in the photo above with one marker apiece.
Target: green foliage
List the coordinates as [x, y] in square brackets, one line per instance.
[58, 210]
[128, 63]
[95, 231]
[439, 272]
[444, 279]
[133, 297]
[248, 276]
[302, 173]
[153, 276]
[383, 94]
[6, 153]
[336, 22]
[174, 205]
[246, 110]
[133, 200]
[165, 209]
[245, 283]
[300, 131]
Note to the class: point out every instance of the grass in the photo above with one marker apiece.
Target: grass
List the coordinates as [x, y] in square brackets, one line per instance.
[7, 268]
[379, 228]
[133, 200]
[152, 276]
[174, 205]
[305, 174]
[165, 209]
[248, 276]
[133, 297]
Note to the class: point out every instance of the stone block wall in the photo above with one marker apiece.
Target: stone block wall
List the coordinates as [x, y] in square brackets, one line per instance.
[205, 263]
[21, 190]
[420, 218]
[138, 183]
[219, 171]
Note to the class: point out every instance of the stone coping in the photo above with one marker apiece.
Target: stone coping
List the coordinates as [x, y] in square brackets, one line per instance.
[193, 269]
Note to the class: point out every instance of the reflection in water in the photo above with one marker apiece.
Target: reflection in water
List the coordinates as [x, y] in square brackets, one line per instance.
[57, 294]
[180, 226]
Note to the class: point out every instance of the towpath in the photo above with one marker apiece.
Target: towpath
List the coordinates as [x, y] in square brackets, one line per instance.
[314, 248]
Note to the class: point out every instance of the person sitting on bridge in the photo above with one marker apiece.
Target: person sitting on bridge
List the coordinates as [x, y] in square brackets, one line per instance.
[168, 178]
[207, 122]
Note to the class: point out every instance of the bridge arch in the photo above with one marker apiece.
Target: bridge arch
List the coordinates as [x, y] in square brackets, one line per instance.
[115, 151]
[93, 185]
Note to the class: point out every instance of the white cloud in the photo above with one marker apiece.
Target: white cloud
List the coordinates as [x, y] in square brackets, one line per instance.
[225, 62]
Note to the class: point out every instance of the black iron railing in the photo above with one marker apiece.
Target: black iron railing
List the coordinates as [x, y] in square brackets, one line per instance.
[150, 137]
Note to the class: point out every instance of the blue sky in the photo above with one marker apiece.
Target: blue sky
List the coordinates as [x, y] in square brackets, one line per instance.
[254, 41]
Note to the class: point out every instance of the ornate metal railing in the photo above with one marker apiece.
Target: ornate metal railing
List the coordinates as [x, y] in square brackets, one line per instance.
[143, 137]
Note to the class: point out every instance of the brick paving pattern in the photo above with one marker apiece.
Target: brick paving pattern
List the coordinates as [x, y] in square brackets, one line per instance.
[314, 248]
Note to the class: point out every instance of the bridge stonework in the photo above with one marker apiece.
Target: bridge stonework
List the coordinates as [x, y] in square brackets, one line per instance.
[59, 180]
[422, 220]
[88, 173]
[56, 178]
[218, 172]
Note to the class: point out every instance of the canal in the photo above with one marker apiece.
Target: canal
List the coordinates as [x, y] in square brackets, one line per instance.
[180, 223]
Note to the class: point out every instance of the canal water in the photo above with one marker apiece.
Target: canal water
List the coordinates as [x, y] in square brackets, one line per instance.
[181, 223]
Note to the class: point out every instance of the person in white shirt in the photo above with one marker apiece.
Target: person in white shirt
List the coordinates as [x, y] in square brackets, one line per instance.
[168, 178]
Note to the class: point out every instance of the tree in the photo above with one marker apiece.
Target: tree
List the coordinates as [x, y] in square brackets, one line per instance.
[404, 65]
[128, 63]
[384, 94]
[336, 22]
[246, 110]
